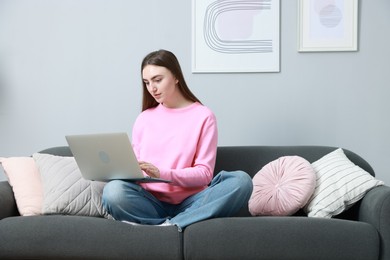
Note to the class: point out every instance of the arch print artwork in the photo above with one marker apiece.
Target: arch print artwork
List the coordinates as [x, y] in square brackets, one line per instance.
[235, 36]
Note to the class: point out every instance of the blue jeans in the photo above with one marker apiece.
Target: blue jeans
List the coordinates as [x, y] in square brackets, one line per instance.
[227, 193]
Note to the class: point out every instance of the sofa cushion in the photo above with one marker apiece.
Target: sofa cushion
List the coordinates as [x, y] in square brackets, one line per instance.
[282, 187]
[340, 184]
[80, 237]
[281, 238]
[24, 178]
[64, 189]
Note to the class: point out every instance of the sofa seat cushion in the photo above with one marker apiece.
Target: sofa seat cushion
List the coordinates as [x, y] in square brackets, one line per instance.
[79, 237]
[281, 238]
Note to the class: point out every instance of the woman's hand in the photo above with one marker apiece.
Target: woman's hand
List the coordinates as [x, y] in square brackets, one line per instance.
[149, 169]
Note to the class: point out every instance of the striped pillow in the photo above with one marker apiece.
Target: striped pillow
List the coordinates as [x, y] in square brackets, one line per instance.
[340, 184]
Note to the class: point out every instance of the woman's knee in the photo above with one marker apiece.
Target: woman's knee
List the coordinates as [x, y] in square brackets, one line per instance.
[111, 190]
[238, 179]
[244, 180]
[115, 190]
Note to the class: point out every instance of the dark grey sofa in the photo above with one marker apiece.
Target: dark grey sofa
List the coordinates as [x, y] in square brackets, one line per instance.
[362, 232]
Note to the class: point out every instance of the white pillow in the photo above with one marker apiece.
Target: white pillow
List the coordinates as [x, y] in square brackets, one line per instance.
[65, 191]
[340, 184]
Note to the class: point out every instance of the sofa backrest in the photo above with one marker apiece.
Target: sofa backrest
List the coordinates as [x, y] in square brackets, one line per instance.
[252, 158]
[58, 150]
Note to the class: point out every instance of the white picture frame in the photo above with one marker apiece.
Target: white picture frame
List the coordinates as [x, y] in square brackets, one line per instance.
[327, 25]
[235, 36]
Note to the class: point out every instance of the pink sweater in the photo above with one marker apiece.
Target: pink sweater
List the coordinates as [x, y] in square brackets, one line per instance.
[182, 143]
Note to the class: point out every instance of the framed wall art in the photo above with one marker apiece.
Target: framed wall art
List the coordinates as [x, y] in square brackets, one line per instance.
[235, 36]
[327, 25]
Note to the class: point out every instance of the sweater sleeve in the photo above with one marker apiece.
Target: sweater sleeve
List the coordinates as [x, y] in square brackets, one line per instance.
[202, 170]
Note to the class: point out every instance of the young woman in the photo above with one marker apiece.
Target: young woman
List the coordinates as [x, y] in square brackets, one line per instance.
[175, 138]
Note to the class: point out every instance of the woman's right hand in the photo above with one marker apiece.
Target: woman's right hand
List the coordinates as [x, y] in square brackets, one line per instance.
[149, 169]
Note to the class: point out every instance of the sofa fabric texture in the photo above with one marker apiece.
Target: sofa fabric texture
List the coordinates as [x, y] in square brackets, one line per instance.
[361, 232]
[281, 238]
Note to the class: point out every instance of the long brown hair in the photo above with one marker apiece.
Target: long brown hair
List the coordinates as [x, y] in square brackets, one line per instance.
[168, 60]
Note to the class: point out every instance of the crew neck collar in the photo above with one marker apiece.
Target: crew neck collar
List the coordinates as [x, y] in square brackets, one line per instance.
[161, 106]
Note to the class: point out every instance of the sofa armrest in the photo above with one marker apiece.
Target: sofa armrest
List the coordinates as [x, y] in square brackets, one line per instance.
[7, 201]
[375, 209]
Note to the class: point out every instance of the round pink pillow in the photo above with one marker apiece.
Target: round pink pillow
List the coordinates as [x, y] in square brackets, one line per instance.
[282, 187]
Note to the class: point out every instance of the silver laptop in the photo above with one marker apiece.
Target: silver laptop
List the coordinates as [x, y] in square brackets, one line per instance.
[104, 157]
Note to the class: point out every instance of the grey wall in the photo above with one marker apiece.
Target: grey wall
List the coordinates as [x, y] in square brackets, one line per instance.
[72, 66]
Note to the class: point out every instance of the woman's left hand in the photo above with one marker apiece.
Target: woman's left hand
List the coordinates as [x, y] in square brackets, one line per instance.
[149, 169]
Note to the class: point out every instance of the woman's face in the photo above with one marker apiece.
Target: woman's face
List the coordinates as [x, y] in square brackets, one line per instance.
[161, 84]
